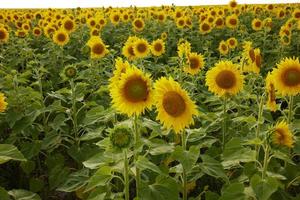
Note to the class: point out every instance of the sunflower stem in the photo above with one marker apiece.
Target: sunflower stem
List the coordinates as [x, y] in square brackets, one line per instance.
[184, 177]
[136, 154]
[260, 112]
[74, 111]
[266, 158]
[224, 122]
[126, 175]
[290, 114]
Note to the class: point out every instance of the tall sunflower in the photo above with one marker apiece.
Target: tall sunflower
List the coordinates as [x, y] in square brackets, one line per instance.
[141, 48]
[270, 88]
[257, 24]
[224, 79]
[282, 135]
[232, 21]
[158, 47]
[195, 63]
[98, 48]
[174, 106]
[69, 25]
[223, 48]
[287, 76]
[134, 93]
[3, 103]
[61, 37]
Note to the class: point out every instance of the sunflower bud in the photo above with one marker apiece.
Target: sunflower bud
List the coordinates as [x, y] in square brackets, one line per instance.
[70, 71]
[121, 137]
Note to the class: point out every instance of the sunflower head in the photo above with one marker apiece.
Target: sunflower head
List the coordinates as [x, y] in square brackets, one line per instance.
[37, 31]
[3, 103]
[224, 79]
[232, 21]
[158, 47]
[282, 135]
[232, 42]
[97, 47]
[138, 24]
[195, 63]
[287, 76]
[133, 94]
[4, 35]
[70, 71]
[141, 48]
[120, 68]
[205, 27]
[257, 24]
[61, 37]
[223, 48]
[183, 48]
[174, 106]
[121, 137]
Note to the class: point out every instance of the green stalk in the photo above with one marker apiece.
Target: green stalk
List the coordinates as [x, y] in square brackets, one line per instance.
[184, 176]
[74, 111]
[260, 112]
[266, 159]
[224, 122]
[126, 175]
[136, 154]
[290, 114]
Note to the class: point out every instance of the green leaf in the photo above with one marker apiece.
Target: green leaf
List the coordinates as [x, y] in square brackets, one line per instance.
[23, 195]
[10, 152]
[143, 163]
[233, 191]
[75, 181]
[36, 185]
[234, 153]
[212, 167]
[263, 188]
[91, 135]
[164, 188]
[211, 196]
[3, 194]
[98, 160]
[186, 158]
[282, 156]
[31, 149]
[100, 178]
[27, 166]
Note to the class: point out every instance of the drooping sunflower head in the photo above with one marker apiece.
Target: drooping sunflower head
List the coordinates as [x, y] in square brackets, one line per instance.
[134, 92]
[223, 48]
[120, 68]
[174, 106]
[141, 48]
[257, 24]
[61, 37]
[232, 21]
[4, 35]
[195, 63]
[3, 103]
[97, 47]
[282, 135]
[224, 79]
[158, 47]
[232, 42]
[287, 76]
[270, 88]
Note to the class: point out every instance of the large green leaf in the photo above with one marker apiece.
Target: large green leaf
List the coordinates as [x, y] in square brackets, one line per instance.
[3, 194]
[143, 163]
[234, 191]
[263, 188]
[186, 158]
[212, 167]
[23, 195]
[10, 152]
[100, 178]
[75, 181]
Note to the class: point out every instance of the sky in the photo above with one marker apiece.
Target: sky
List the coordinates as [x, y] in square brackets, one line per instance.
[121, 3]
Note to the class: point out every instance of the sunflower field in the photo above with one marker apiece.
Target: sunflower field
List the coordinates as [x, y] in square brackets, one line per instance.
[155, 103]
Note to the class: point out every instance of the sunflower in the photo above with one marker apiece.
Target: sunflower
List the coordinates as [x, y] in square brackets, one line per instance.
[98, 48]
[120, 68]
[3, 103]
[61, 37]
[219, 22]
[233, 4]
[205, 27]
[287, 76]
[223, 48]
[4, 35]
[37, 31]
[267, 23]
[271, 103]
[158, 47]
[164, 35]
[133, 94]
[282, 135]
[257, 24]
[141, 48]
[183, 48]
[232, 42]
[224, 79]
[174, 106]
[296, 14]
[180, 22]
[115, 18]
[138, 24]
[232, 21]
[68, 25]
[128, 52]
[195, 63]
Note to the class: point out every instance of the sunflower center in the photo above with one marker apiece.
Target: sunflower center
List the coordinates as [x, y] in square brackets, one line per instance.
[205, 27]
[158, 47]
[257, 24]
[136, 90]
[116, 18]
[37, 32]
[232, 42]
[138, 24]
[2, 35]
[233, 22]
[226, 79]
[181, 22]
[194, 63]
[61, 37]
[297, 15]
[174, 104]
[224, 47]
[68, 25]
[219, 22]
[291, 77]
[98, 48]
[141, 47]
